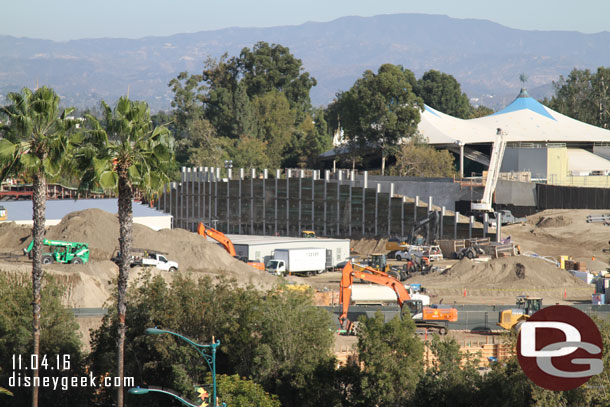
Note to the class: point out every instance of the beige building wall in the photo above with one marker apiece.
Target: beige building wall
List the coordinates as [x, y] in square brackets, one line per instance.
[558, 174]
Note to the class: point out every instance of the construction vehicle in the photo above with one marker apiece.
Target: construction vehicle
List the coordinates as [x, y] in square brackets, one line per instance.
[471, 252]
[306, 261]
[426, 230]
[227, 244]
[512, 319]
[308, 234]
[424, 317]
[395, 244]
[379, 262]
[493, 172]
[61, 252]
[152, 259]
[3, 215]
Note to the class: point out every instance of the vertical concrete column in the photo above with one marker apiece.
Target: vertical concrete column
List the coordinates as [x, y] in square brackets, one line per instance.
[201, 194]
[216, 179]
[364, 204]
[326, 179]
[461, 160]
[265, 175]
[301, 172]
[415, 208]
[339, 180]
[402, 216]
[442, 221]
[352, 176]
[455, 226]
[252, 176]
[313, 201]
[349, 207]
[183, 201]
[168, 188]
[377, 207]
[485, 224]
[390, 208]
[288, 203]
[191, 215]
[210, 176]
[430, 204]
[366, 179]
[277, 177]
[171, 199]
[242, 175]
[470, 226]
[498, 227]
[228, 200]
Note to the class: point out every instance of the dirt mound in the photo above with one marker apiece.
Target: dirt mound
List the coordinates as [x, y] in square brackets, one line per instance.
[366, 246]
[510, 272]
[553, 221]
[100, 230]
[14, 237]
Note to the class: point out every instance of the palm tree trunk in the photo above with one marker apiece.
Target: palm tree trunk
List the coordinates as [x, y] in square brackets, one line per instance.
[39, 201]
[125, 229]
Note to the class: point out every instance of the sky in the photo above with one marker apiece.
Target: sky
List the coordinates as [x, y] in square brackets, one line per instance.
[62, 20]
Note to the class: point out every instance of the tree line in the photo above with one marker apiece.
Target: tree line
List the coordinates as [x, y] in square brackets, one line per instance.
[275, 350]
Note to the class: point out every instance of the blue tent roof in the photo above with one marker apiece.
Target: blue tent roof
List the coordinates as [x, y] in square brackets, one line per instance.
[524, 101]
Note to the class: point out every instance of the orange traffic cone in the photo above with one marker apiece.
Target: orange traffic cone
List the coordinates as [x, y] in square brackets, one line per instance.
[464, 292]
[565, 293]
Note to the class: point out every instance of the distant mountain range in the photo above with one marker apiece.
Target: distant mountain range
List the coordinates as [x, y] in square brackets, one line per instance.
[485, 57]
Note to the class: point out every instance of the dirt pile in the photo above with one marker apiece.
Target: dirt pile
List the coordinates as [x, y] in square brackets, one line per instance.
[100, 230]
[366, 246]
[13, 237]
[553, 221]
[505, 277]
[510, 272]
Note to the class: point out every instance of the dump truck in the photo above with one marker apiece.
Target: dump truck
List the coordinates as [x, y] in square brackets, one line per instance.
[297, 261]
[61, 252]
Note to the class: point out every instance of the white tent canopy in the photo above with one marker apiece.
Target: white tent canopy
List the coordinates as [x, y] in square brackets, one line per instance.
[524, 120]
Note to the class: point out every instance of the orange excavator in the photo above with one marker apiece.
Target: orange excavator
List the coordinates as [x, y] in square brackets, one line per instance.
[424, 317]
[227, 244]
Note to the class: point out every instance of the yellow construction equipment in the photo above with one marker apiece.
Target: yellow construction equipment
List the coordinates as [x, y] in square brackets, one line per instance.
[513, 318]
[2, 213]
[308, 234]
[379, 262]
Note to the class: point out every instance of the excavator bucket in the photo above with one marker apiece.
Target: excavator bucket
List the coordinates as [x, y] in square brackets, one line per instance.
[201, 230]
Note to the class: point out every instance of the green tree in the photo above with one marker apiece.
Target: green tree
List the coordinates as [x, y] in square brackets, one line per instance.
[418, 159]
[380, 110]
[59, 336]
[447, 382]
[481, 111]
[268, 68]
[238, 392]
[275, 120]
[34, 147]
[278, 339]
[584, 96]
[124, 155]
[391, 355]
[442, 92]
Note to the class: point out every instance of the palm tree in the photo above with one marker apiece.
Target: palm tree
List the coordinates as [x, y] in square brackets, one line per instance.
[124, 153]
[33, 148]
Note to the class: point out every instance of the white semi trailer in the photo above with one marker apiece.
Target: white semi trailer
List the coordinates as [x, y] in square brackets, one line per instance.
[307, 261]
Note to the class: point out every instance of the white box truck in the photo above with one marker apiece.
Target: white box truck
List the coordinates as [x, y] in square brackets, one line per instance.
[297, 261]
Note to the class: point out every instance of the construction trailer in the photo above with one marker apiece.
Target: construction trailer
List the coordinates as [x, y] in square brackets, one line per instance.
[262, 248]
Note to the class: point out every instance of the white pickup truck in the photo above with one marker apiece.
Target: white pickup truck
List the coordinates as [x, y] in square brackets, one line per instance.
[155, 260]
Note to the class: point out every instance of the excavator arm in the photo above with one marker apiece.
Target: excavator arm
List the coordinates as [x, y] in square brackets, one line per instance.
[218, 236]
[428, 315]
[371, 275]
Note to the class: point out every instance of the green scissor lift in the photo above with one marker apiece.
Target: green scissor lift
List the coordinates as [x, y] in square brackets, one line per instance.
[62, 252]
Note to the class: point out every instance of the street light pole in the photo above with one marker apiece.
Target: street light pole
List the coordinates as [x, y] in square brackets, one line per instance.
[210, 359]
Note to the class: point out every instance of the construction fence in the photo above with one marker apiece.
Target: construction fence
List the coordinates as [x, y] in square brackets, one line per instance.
[287, 202]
